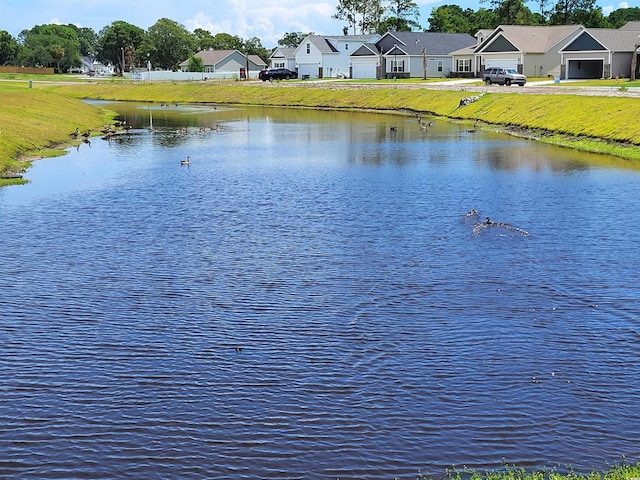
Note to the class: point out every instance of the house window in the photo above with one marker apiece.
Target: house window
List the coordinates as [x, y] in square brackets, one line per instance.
[464, 65]
[397, 66]
[346, 46]
[278, 64]
[439, 65]
[308, 48]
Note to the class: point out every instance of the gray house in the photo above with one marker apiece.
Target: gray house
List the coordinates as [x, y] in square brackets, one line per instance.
[228, 64]
[420, 54]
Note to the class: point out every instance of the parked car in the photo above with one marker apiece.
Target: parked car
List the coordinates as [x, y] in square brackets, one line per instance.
[503, 76]
[276, 74]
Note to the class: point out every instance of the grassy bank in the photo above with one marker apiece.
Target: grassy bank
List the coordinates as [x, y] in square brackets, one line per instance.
[35, 123]
[596, 124]
[624, 471]
[35, 120]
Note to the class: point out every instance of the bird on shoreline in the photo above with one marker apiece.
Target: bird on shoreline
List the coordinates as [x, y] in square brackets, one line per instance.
[475, 127]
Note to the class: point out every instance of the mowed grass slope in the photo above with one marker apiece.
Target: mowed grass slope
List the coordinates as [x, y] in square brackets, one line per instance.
[34, 123]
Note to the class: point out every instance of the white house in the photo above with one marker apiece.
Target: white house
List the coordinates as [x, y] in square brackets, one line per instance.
[320, 56]
[283, 58]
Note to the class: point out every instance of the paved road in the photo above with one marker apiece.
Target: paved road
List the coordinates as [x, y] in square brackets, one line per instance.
[472, 86]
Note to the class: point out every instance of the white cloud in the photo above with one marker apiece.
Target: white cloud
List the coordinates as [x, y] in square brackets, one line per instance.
[607, 9]
[269, 21]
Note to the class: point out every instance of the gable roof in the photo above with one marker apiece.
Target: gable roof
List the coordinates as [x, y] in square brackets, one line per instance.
[283, 52]
[532, 39]
[365, 50]
[616, 40]
[631, 26]
[435, 43]
[326, 43]
[214, 57]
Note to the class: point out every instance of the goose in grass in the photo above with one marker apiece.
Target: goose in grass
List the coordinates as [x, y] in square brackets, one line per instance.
[75, 134]
[185, 161]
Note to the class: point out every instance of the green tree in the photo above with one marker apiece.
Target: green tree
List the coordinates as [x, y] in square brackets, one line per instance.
[292, 39]
[172, 44]
[450, 19]
[483, 18]
[88, 41]
[50, 46]
[9, 48]
[362, 16]
[225, 41]
[403, 16]
[584, 12]
[120, 40]
[57, 53]
[619, 17]
[204, 39]
[510, 12]
[196, 64]
[253, 46]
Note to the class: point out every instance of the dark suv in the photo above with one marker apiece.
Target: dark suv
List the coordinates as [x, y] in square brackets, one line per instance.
[277, 74]
[503, 76]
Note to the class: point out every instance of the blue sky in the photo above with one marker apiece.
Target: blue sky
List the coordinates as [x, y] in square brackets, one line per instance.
[266, 19]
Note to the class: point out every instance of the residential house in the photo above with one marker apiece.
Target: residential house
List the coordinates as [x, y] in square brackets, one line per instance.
[228, 64]
[420, 54]
[532, 50]
[365, 61]
[283, 58]
[91, 66]
[600, 52]
[320, 56]
[559, 51]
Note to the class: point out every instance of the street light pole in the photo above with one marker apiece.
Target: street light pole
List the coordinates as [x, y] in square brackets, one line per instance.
[395, 61]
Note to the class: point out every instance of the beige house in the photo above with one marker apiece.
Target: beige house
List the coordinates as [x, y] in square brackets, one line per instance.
[559, 51]
[600, 52]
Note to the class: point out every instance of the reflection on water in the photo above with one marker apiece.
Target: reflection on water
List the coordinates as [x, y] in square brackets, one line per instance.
[306, 300]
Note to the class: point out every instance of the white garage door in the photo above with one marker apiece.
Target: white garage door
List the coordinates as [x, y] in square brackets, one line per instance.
[364, 70]
[504, 63]
[310, 70]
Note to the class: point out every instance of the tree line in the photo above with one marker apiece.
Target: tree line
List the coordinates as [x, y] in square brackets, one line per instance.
[380, 16]
[167, 43]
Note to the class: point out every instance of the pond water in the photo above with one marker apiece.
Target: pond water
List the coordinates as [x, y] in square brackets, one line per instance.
[307, 300]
